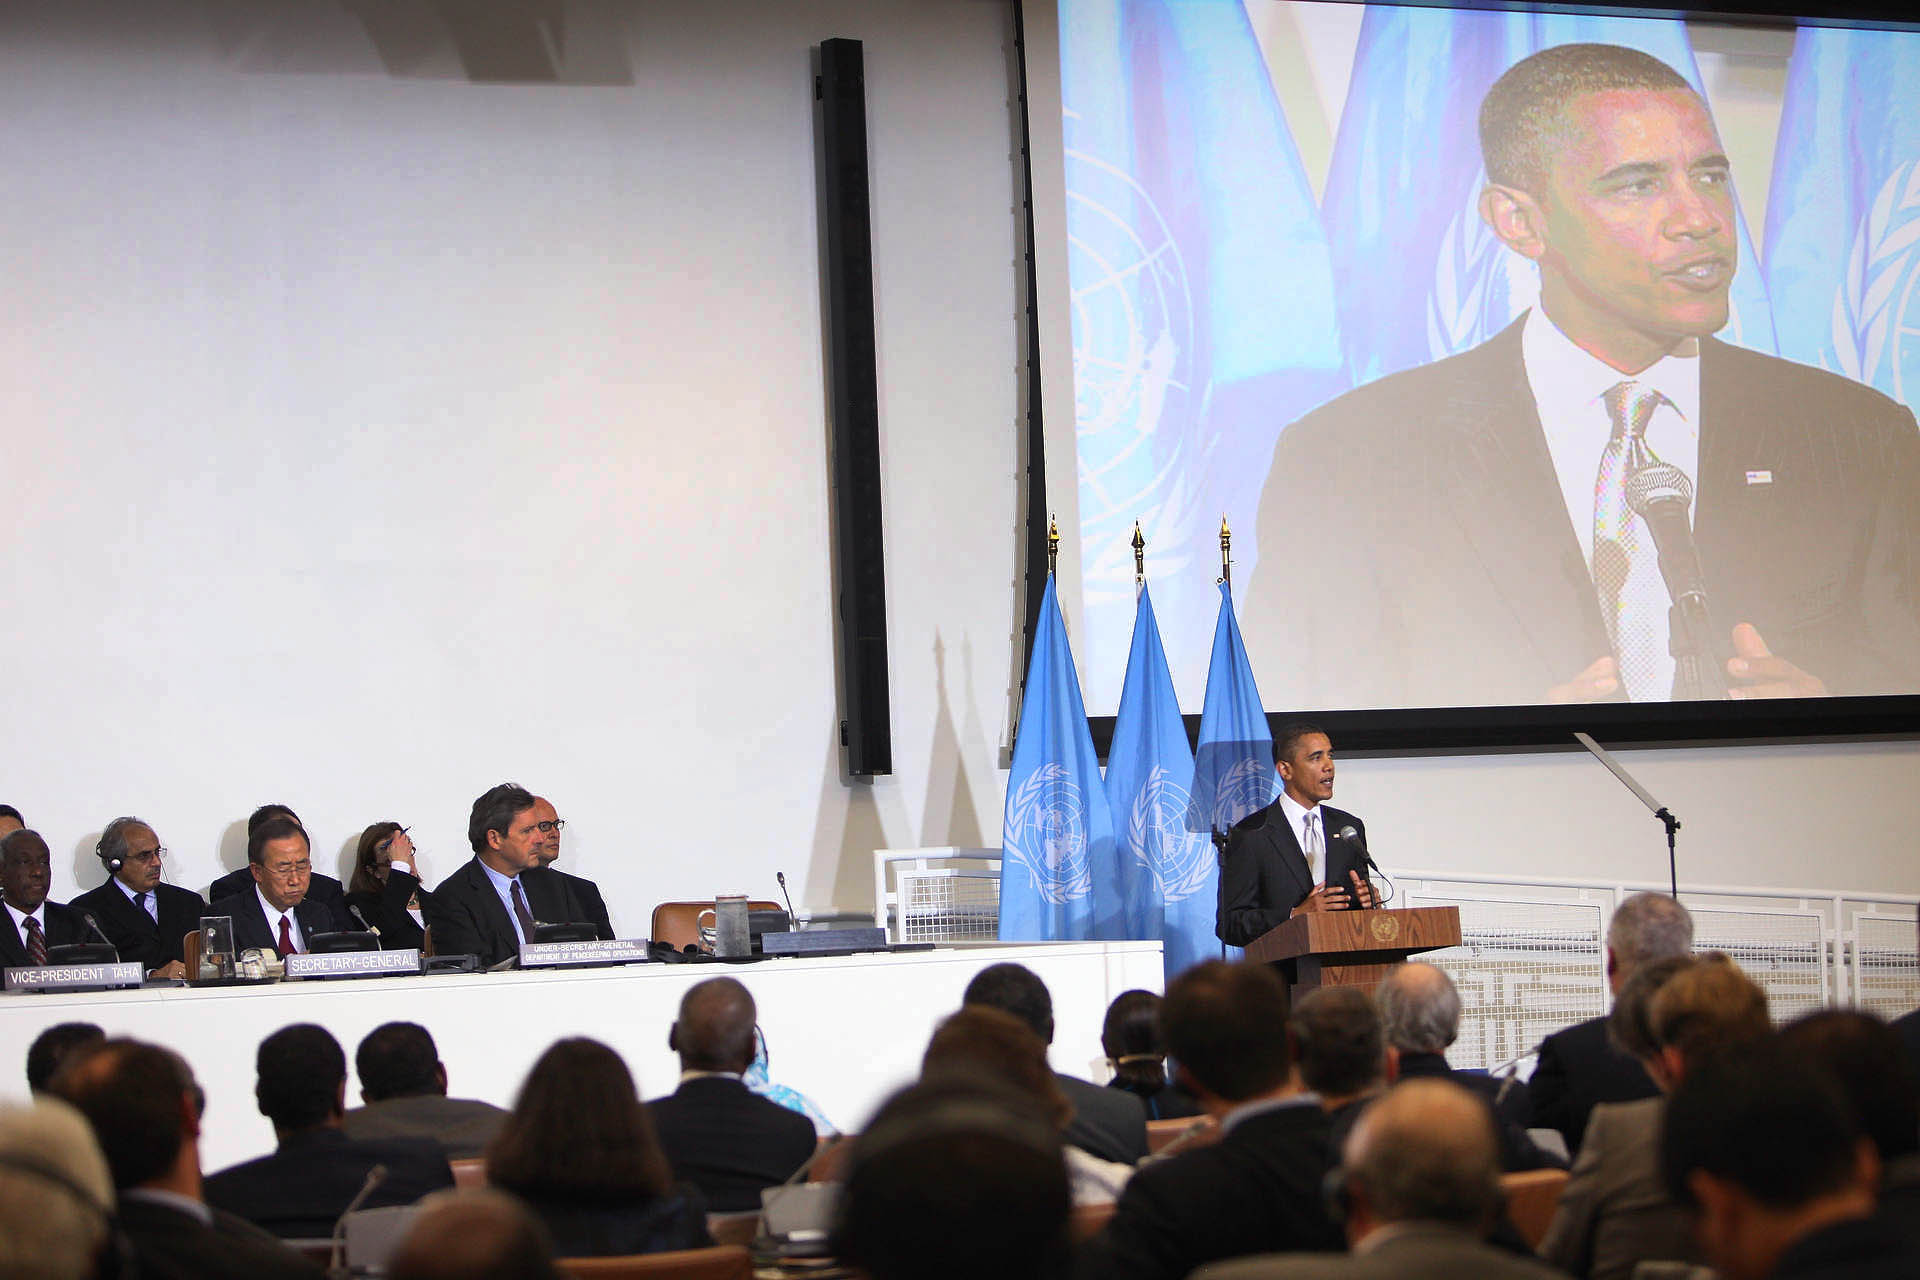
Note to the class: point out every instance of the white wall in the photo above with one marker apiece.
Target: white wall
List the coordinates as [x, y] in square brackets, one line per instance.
[370, 436]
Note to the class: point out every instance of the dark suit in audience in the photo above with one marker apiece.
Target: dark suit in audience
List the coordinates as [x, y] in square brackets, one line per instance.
[1413, 1250]
[1908, 1027]
[1108, 1123]
[301, 1189]
[462, 1127]
[1517, 1151]
[172, 1242]
[583, 1229]
[729, 1141]
[1579, 1068]
[250, 927]
[137, 935]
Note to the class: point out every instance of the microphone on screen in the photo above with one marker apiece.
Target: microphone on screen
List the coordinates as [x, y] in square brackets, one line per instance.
[793, 917]
[1661, 494]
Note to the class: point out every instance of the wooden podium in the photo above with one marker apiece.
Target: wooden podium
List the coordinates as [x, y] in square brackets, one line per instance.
[1354, 948]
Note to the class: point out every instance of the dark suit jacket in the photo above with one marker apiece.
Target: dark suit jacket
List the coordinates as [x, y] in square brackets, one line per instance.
[171, 1245]
[133, 932]
[300, 1190]
[1579, 1068]
[386, 911]
[1264, 875]
[1517, 1150]
[63, 926]
[1109, 1123]
[241, 881]
[468, 917]
[590, 900]
[1459, 581]
[730, 1142]
[250, 928]
[1415, 1249]
[462, 1127]
[582, 1229]
[1864, 1249]
[1256, 1190]
[1908, 1025]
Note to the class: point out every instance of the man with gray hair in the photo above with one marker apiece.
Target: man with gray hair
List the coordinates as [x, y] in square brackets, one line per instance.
[1420, 1014]
[1418, 1189]
[1579, 1067]
[55, 1194]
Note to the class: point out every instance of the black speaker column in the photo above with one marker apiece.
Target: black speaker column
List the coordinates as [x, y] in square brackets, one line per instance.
[854, 407]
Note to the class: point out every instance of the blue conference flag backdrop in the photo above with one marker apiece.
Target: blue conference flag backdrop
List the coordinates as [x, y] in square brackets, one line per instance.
[1843, 217]
[1202, 296]
[1168, 873]
[1420, 275]
[1233, 765]
[1057, 835]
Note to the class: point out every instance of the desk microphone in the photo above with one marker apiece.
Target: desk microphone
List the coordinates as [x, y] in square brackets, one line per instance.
[375, 1176]
[793, 917]
[354, 911]
[95, 926]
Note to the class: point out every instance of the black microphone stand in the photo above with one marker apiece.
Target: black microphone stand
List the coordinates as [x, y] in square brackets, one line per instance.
[1658, 810]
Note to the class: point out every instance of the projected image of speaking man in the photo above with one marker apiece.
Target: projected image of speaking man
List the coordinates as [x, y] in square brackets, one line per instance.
[1462, 533]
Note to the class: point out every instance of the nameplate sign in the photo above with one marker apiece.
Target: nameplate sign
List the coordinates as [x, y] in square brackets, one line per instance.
[548, 955]
[354, 964]
[74, 977]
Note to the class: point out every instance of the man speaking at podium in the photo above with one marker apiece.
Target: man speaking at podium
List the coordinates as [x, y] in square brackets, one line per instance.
[1298, 854]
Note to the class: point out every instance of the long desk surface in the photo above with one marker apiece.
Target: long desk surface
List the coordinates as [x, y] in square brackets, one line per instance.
[844, 1030]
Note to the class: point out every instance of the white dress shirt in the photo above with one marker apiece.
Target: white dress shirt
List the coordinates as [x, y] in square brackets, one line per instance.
[1316, 848]
[273, 915]
[1568, 384]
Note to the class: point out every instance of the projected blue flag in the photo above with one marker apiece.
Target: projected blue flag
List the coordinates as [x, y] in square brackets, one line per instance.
[1420, 275]
[1233, 766]
[1057, 851]
[1203, 313]
[1843, 218]
[1169, 871]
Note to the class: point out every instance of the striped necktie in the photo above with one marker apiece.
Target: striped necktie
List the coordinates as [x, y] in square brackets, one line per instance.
[36, 943]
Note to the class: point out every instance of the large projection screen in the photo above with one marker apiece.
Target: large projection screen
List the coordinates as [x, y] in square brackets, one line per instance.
[1284, 290]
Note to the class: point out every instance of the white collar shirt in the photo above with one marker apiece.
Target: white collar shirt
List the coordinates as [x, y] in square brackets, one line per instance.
[273, 915]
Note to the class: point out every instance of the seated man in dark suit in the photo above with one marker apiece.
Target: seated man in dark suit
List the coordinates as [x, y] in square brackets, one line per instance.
[1107, 1123]
[719, 1135]
[1580, 1068]
[492, 905]
[1420, 1185]
[1420, 1013]
[404, 1085]
[1255, 1190]
[301, 1189]
[143, 918]
[322, 888]
[277, 914]
[1761, 1148]
[551, 825]
[144, 1106]
[1342, 1051]
[30, 926]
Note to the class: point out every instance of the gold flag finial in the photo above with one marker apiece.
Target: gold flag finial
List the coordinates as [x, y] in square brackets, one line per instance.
[1226, 551]
[1053, 543]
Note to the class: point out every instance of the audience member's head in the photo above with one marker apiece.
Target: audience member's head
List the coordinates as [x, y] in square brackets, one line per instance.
[1425, 1152]
[26, 870]
[1015, 989]
[302, 1078]
[1419, 1008]
[579, 1132]
[1868, 1060]
[130, 852]
[55, 1194]
[10, 820]
[1130, 1037]
[54, 1046]
[953, 1181]
[714, 1031]
[1226, 1025]
[144, 1105]
[399, 1060]
[474, 1234]
[1763, 1150]
[1704, 1010]
[372, 856]
[979, 1043]
[1338, 1040]
[282, 862]
[503, 830]
[1646, 927]
[1630, 1024]
[268, 812]
[551, 826]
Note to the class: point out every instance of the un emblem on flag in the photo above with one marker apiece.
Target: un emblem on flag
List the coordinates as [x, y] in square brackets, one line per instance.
[1875, 316]
[1047, 834]
[1179, 859]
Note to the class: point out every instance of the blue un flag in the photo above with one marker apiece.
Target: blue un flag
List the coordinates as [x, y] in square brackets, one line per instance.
[1168, 871]
[1843, 218]
[1203, 313]
[1233, 767]
[1057, 837]
[1420, 276]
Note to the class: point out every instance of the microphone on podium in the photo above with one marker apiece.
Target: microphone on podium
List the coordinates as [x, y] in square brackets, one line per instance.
[793, 917]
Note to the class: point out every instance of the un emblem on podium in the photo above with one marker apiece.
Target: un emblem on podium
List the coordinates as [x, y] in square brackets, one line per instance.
[1386, 928]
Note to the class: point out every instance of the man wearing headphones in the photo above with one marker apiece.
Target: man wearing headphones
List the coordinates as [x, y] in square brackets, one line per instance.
[144, 919]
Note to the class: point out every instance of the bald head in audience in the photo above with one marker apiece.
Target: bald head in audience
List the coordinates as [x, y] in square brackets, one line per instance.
[714, 1031]
[476, 1234]
[1425, 1152]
